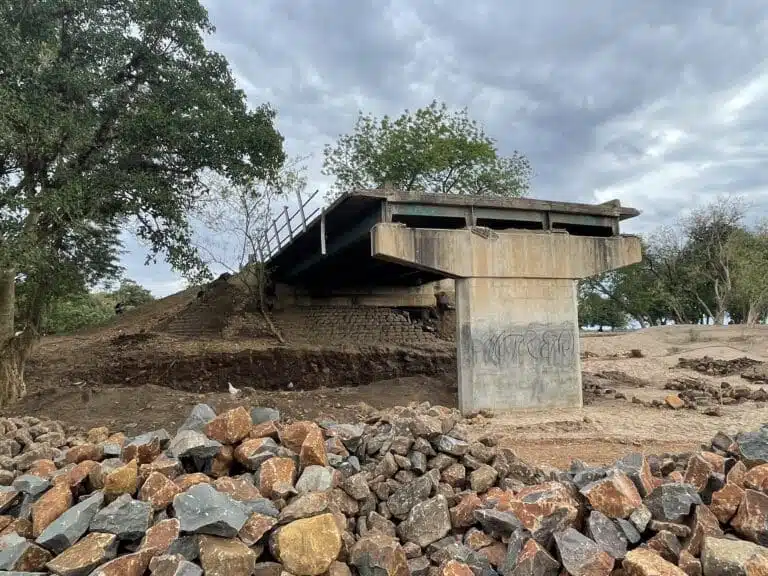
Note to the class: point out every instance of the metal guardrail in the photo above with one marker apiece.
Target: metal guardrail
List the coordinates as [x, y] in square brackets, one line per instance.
[286, 226]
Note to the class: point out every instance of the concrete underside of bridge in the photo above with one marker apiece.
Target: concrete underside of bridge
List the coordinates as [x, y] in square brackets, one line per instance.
[515, 264]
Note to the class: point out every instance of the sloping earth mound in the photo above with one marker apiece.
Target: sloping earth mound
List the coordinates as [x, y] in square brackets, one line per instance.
[409, 491]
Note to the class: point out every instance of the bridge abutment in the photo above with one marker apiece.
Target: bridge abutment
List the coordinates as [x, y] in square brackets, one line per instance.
[516, 306]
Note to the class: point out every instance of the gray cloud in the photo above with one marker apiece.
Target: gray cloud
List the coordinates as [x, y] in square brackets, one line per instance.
[660, 104]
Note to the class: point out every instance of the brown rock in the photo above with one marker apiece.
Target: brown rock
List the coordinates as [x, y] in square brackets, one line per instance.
[186, 481]
[168, 467]
[8, 498]
[50, 506]
[534, 559]
[87, 554]
[615, 496]
[293, 435]
[716, 461]
[266, 429]
[160, 536]
[78, 454]
[496, 553]
[117, 438]
[159, 491]
[688, 564]
[757, 565]
[675, 477]
[230, 427]
[737, 473]
[757, 478]
[42, 468]
[129, 565]
[222, 462]
[254, 447]
[535, 505]
[312, 451]
[751, 519]
[20, 526]
[666, 545]
[240, 488]
[224, 557]
[79, 474]
[725, 502]
[307, 547]
[644, 562]
[483, 478]
[143, 453]
[32, 558]
[674, 402]
[462, 515]
[455, 475]
[276, 476]
[455, 568]
[379, 554]
[477, 539]
[306, 505]
[339, 569]
[697, 472]
[98, 435]
[256, 526]
[122, 480]
[704, 523]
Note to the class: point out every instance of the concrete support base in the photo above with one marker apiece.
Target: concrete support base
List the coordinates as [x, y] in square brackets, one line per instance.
[517, 343]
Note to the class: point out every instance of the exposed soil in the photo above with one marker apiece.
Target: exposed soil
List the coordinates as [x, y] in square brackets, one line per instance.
[130, 376]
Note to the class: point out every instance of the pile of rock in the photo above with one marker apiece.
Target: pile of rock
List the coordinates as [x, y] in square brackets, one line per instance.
[695, 393]
[406, 492]
[717, 367]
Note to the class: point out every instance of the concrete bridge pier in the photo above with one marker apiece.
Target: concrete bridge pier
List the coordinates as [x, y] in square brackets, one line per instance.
[516, 305]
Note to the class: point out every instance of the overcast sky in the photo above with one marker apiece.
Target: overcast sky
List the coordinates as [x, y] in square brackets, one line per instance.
[660, 104]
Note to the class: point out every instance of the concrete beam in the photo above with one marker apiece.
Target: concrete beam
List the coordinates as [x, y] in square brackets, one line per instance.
[481, 252]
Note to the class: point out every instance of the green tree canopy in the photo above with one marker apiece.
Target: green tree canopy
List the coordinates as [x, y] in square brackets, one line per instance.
[431, 149]
[110, 113]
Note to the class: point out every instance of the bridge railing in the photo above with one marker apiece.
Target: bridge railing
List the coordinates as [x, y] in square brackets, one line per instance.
[282, 229]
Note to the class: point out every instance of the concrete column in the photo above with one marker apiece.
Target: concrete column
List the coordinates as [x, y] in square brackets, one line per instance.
[518, 343]
[516, 306]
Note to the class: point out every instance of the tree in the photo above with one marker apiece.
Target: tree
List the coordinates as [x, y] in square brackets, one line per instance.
[748, 250]
[600, 311]
[431, 150]
[110, 113]
[131, 294]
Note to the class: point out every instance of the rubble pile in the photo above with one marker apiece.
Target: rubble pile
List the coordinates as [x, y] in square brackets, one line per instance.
[696, 392]
[409, 491]
[715, 367]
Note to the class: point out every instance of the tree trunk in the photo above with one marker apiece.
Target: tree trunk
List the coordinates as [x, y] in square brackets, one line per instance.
[753, 315]
[13, 349]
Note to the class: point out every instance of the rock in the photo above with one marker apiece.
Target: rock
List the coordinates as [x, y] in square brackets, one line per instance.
[757, 478]
[159, 491]
[544, 509]
[31, 485]
[222, 557]
[78, 454]
[615, 495]
[146, 447]
[427, 522]
[307, 547]
[697, 472]
[268, 569]
[71, 525]
[276, 477]
[606, 535]
[483, 478]
[240, 488]
[293, 435]
[455, 475]
[304, 506]
[753, 447]
[704, 523]
[50, 506]
[497, 522]
[265, 430]
[254, 452]
[129, 565]
[757, 565]
[174, 565]
[161, 536]
[356, 486]
[260, 415]
[725, 502]
[451, 446]
[463, 514]
[635, 466]
[418, 566]
[20, 555]
[186, 546]
[640, 518]
[666, 545]
[674, 402]
[725, 557]
[751, 519]
[580, 556]
[312, 452]
[193, 444]
[221, 463]
[204, 510]
[644, 562]
[736, 474]
[688, 564]
[255, 528]
[122, 480]
[186, 481]
[8, 498]
[127, 518]
[87, 554]
[339, 569]
[200, 415]
[534, 560]
[404, 499]
[379, 555]
[455, 568]
[229, 427]
[672, 502]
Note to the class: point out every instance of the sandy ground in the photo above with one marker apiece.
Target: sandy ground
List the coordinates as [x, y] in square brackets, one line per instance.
[598, 433]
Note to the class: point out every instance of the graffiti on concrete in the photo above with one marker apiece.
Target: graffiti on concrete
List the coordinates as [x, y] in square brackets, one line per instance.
[547, 344]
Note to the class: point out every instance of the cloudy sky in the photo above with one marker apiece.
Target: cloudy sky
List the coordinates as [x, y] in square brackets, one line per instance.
[660, 104]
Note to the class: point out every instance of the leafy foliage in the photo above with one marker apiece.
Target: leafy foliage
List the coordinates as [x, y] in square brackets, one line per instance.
[110, 113]
[431, 150]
